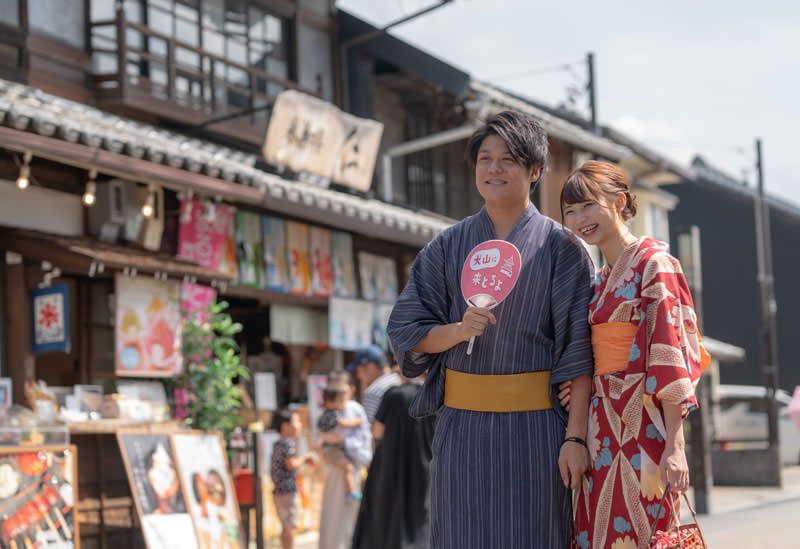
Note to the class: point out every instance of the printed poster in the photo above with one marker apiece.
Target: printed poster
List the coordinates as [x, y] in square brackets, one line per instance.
[38, 491]
[149, 327]
[344, 271]
[51, 319]
[380, 320]
[378, 277]
[249, 250]
[321, 274]
[156, 488]
[297, 255]
[294, 325]
[202, 239]
[206, 481]
[274, 237]
[350, 323]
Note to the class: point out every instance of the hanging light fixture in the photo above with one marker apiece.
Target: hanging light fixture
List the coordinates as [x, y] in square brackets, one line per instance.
[186, 214]
[149, 204]
[210, 213]
[25, 171]
[90, 192]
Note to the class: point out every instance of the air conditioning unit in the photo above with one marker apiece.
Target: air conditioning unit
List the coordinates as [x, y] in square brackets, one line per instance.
[117, 214]
[107, 215]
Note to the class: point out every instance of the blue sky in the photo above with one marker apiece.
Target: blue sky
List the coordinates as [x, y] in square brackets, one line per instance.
[684, 77]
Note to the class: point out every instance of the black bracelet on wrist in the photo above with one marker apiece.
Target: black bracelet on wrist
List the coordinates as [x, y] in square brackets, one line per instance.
[578, 440]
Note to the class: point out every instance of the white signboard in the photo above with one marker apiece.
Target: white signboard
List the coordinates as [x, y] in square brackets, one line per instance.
[307, 134]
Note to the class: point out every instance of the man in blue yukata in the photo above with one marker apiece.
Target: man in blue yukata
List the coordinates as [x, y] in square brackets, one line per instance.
[505, 453]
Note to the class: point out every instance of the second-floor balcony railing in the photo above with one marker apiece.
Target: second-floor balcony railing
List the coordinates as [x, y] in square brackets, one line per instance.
[137, 67]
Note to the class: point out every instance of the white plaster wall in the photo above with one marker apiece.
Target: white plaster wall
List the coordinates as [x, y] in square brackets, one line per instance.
[40, 209]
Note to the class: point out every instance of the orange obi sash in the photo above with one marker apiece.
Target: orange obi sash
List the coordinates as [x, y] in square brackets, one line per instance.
[611, 345]
[526, 392]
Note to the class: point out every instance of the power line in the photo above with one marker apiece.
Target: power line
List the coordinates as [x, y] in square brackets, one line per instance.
[540, 70]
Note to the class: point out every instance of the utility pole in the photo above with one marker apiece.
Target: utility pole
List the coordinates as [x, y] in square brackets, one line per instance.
[700, 438]
[591, 88]
[769, 339]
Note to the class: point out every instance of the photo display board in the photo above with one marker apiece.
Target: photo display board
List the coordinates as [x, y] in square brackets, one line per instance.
[37, 497]
[156, 488]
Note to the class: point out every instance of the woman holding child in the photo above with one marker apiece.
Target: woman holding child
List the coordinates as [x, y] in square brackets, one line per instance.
[648, 358]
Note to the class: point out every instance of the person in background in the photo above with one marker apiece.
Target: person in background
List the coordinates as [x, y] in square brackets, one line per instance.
[394, 513]
[373, 373]
[648, 357]
[284, 464]
[334, 431]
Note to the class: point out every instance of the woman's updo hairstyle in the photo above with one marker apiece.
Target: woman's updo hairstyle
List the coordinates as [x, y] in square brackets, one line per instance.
[595, 180]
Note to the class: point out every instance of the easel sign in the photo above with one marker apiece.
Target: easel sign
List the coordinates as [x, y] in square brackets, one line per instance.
[210, 496]
[490, 272]
[38, 490]
[156, 488]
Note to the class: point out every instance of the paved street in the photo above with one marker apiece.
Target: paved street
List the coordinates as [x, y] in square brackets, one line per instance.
[764, 527]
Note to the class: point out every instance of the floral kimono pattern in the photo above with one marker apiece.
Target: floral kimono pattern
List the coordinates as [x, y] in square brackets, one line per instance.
[619, 497]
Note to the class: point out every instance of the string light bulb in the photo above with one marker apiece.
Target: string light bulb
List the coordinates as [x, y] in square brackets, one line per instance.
[149, 204]
[23, 181]
[90, 193]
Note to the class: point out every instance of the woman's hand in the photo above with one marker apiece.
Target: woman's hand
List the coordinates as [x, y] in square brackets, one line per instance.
[474, 322]
[564, 394]
[573, 462]
[674, 469]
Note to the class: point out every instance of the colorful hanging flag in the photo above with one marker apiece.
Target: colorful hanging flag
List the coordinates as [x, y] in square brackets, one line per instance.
[51, 319]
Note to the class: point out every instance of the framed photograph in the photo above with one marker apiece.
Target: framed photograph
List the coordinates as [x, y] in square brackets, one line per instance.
[156, 488]
[210, 495]
[38, 491]
[5, 392]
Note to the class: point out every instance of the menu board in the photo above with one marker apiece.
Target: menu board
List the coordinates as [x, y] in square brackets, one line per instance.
[210, 497]
[37, 497]
[156, 489]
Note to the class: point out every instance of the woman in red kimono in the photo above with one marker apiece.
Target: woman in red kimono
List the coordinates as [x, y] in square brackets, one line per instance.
[648, 358]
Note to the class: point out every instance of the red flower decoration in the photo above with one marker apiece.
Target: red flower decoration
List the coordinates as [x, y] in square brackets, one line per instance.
[48, 315]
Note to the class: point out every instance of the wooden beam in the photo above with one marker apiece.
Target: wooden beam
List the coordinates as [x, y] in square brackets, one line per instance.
[126, 167]
[21, 363]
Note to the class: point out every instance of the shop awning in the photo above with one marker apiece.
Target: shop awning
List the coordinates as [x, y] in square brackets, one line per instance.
[92, 257]
[78, 135]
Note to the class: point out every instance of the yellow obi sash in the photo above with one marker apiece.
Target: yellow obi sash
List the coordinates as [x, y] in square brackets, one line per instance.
[611, 345]
[524, 392]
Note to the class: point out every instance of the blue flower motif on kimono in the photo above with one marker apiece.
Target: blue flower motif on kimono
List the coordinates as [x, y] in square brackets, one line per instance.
[636, 462]
[651, 510]
[652, 432]
[669, 318]
[594, 297]
[642, 316]
[628, 291]
[650, 385]
[621, 525]
[591, 485]
[595, 402]
[582, 539]
[604, 458]
[635, 353]
[637, 278]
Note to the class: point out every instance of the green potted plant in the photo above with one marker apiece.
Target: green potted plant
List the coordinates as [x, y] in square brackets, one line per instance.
[212, 362]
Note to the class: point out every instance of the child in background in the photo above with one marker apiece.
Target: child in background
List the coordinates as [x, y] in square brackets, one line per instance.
[285, 462]
[344, 430]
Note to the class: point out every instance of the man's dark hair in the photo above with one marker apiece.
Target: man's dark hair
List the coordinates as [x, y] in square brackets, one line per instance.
[281, 417]
[524, 137]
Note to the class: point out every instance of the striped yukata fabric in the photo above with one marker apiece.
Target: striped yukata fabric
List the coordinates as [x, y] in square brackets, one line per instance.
[373, 394]
[494, 476]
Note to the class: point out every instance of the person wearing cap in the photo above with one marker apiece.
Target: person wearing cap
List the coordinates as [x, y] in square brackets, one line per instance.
[373, 373]
[504, 451]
